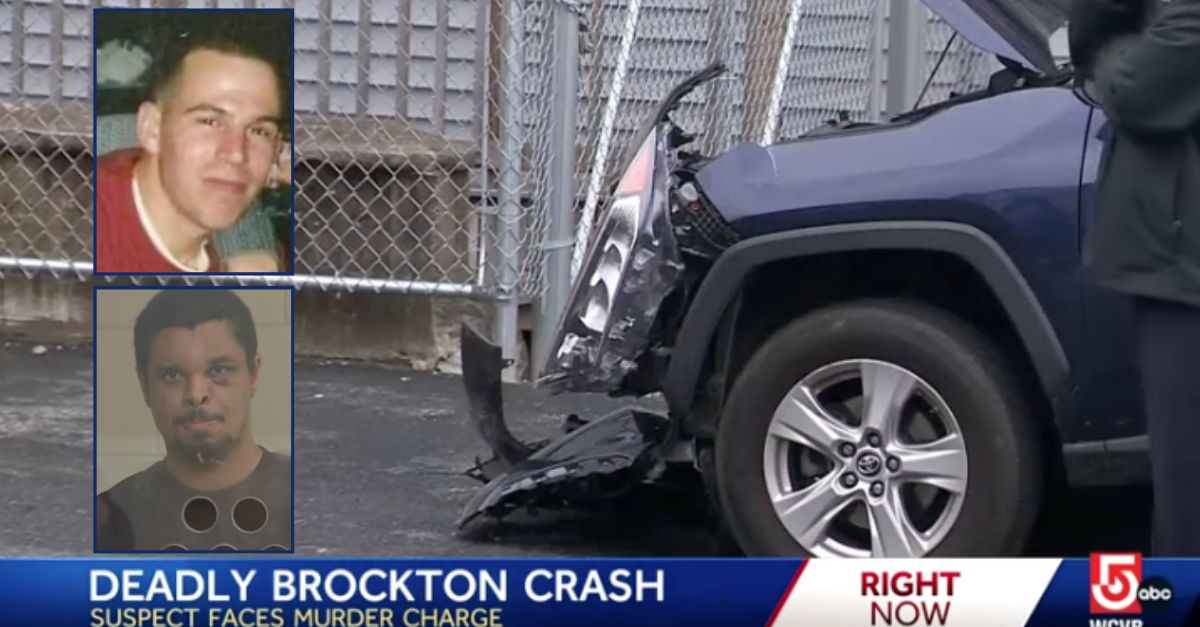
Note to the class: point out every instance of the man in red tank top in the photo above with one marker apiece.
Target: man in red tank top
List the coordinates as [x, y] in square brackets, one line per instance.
[210, 141]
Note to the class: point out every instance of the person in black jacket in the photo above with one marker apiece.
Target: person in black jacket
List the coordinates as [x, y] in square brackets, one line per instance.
[1140, 61]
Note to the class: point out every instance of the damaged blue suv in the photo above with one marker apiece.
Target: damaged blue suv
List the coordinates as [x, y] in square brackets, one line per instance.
[875, 340]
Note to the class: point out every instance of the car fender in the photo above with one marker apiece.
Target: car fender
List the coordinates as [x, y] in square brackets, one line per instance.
[723, 282]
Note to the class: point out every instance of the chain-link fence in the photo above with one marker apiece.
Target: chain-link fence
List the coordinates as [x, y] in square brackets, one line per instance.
[428, 131]
[414, 170]
[45, 127]
[836, 68]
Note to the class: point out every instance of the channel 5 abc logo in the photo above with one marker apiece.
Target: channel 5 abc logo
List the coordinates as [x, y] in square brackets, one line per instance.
[1117, 586]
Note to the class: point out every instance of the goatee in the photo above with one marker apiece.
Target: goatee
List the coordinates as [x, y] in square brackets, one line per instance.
[206, 452]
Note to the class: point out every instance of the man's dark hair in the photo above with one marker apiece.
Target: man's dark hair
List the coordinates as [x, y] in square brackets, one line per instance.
[187, 308]
[262, 35]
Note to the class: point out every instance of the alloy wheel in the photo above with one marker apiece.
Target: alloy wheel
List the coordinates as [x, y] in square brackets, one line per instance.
[864, 458]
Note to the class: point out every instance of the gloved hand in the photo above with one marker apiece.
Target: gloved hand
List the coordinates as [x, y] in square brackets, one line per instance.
[1094, 23]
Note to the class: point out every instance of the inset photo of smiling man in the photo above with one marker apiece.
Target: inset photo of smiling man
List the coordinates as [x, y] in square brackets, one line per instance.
[193, 419]
[193, 124]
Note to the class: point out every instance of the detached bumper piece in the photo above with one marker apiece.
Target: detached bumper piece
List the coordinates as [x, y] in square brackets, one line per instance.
[593, 461]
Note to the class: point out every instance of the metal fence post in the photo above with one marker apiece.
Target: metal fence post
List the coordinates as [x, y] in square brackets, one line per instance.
[719, 105]
[786, 50]
[560, 213]
[508, 240]
[906, 55]
[875, 100]
[599, 162]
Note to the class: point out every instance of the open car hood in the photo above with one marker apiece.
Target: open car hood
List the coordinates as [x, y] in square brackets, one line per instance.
[1018, 30]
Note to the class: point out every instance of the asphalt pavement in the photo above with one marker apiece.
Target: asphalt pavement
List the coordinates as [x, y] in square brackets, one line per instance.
[380, 458]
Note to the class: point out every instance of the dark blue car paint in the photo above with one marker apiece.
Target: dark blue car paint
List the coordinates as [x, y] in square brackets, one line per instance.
[974, 247]
[1012, 166]
[1111, 398]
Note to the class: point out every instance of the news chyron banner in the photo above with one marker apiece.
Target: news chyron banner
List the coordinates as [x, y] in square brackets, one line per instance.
[1109, 590]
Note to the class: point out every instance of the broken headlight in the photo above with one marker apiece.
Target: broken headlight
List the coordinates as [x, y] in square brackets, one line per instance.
[630, 267]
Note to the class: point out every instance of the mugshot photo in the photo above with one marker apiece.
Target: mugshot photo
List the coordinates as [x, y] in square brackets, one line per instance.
[193, 137]
[193, 425]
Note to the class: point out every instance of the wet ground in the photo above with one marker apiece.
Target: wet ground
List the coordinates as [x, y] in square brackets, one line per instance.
[380, 454]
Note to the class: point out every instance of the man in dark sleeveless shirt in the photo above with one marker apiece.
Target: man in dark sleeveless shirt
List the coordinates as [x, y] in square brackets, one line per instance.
[197, 360]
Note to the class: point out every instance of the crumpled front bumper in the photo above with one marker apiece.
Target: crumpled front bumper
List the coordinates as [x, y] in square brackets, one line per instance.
[592, 460]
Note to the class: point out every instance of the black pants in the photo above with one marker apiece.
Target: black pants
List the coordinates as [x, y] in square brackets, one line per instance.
[1170, 362]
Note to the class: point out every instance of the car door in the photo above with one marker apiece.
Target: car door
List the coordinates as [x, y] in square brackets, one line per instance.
[1110, 390]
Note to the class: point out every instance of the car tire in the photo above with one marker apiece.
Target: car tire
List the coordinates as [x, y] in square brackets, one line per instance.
[1004, 466]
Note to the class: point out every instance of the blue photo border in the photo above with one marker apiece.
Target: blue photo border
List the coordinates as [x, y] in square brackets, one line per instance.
[96, 158]
[95, 394]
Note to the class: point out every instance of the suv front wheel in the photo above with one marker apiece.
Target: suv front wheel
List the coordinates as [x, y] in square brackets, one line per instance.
[878, 428]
